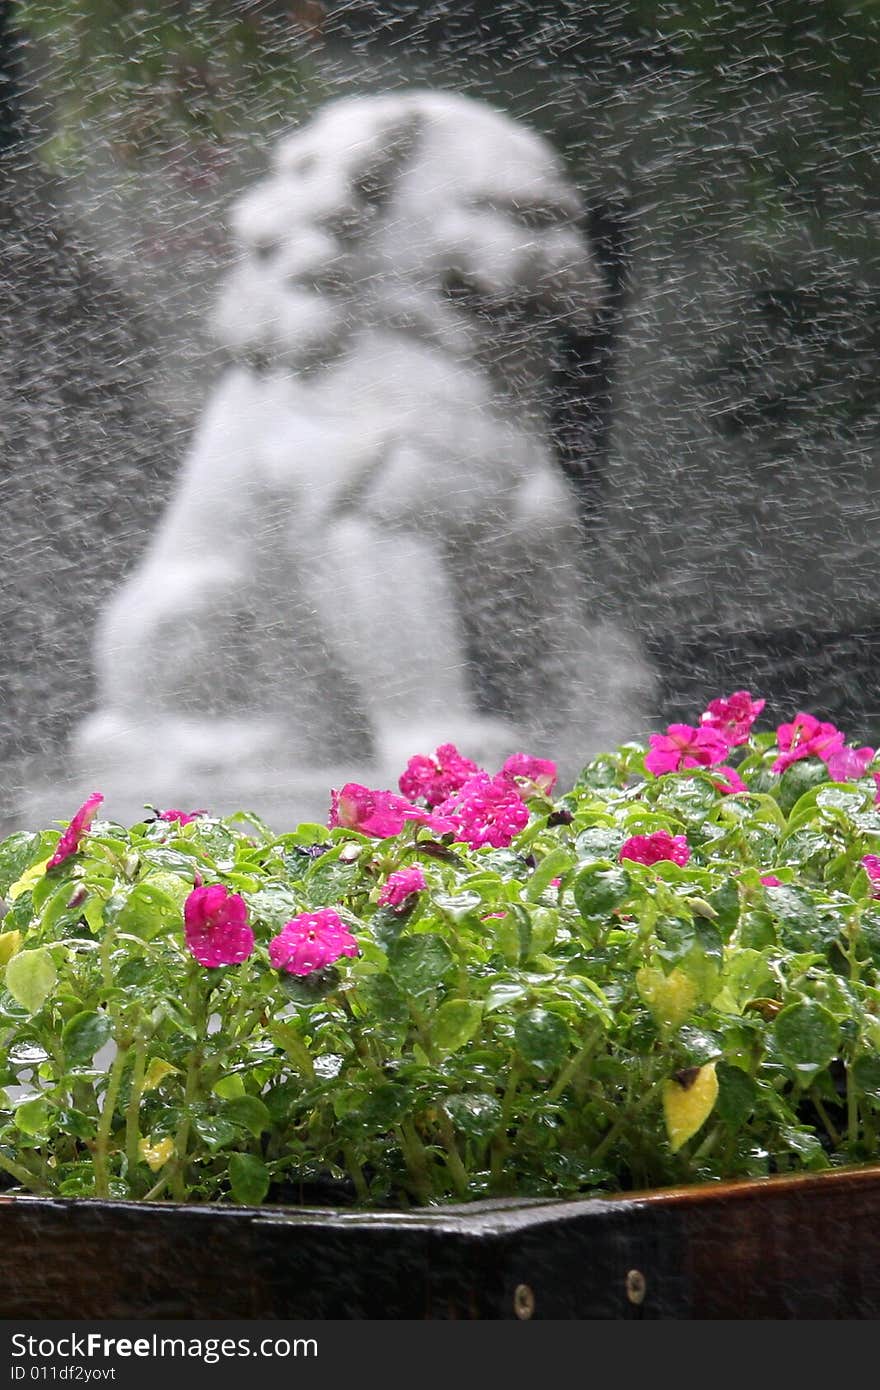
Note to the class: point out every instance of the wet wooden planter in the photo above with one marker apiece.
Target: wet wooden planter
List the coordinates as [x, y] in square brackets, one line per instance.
[802, 1247]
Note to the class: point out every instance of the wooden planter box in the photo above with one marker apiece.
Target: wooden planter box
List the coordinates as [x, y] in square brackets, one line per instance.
[799, 1247]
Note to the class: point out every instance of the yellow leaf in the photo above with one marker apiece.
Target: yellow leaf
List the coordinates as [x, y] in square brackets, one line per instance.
[688, 1100]
[669, 997]
[10, 942]
[156, 1155]
[27, 880]
[156, 1073]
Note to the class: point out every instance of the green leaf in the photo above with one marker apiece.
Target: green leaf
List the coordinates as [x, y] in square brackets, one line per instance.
[669, 997]
[249, 1112]
[458, 907]
[504, 992]
[542, 1039]
[17, 853]
[598, 842]
[249, 1179]
[725, 901]
[30, 978]
[737, 1094]
[475, 1116]
[866, 1074]
[807, 1036]
[153, 906]
[600, 888]
[330, 880]
[228, 1087]
[419, 963]
[32, 1117]
[553, 865]
[214, 1131]
[83, 1035]
[385, 1105]
[798, 781]
[455, 1023]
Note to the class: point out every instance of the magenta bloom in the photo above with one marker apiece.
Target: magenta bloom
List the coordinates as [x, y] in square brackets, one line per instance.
[771, 881]
[871, 865]
[311, 941]
[848, 764]
[401, 885]
[378, 813]
[184, 817]
[486, 811]
[651, 849]
[534, 776]
[434, 779]
[72, 836]
[806, 737]
[684, 746]
[729, 780]
[215, 926]
[732, 718]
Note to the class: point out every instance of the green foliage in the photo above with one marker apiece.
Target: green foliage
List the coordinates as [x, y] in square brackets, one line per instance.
[165, 70]
[546, 1019]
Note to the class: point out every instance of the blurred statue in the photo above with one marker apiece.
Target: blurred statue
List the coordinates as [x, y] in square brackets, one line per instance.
[372, 549]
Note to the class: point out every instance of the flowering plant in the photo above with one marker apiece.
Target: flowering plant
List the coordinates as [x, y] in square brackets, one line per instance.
[472, 985]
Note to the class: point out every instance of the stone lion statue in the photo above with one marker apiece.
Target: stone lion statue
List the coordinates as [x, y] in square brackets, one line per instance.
[371, 548]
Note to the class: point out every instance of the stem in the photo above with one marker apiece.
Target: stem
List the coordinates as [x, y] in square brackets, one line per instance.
[416, 1161]
[575, 1064]
[852, 1099]
[457, 1170]
[356, 1174]
[157, 1189]
[22, 1175]
[133, 1109]
[614, 1131]
[826, 1120]
[197, 1009]
[111, 1095]
[499, 1143]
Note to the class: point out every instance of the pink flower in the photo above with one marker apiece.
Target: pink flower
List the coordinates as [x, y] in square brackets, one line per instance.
[732, 718]
[771, 881]
[806, 737]
[311, 941]
[378, 813]
[871, 865]
[848, 764]
[401, 885]
[434, 779]
[683, 746]
[650, 849]
[72, 836]
[184, 817]
[486, 811]
[215, 926]
[729, 780]
[534, 776]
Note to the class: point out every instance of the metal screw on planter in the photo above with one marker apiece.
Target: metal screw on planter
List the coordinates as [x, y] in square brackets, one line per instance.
[636, 1287]
[372, 548]
[523, 1302]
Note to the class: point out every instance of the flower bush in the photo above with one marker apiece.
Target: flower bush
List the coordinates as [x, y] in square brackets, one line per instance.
[472, 985]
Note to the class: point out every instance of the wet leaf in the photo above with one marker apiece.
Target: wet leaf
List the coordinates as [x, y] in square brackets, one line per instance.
[542, 1039]
[30, 978]
[671, 998]
[688, 1101]
[455, 1023]
[249, 1179]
